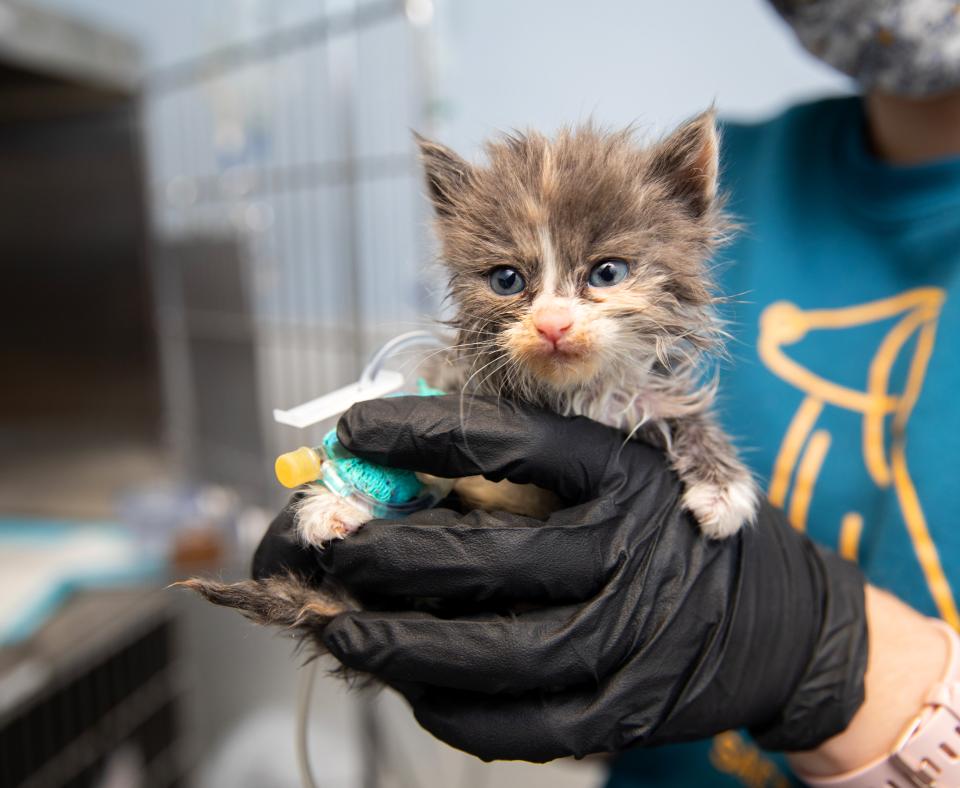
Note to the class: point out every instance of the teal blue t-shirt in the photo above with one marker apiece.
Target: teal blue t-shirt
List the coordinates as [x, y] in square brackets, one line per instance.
[844, 389]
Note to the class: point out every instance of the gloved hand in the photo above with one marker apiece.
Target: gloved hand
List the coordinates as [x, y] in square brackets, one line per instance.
[613, 624]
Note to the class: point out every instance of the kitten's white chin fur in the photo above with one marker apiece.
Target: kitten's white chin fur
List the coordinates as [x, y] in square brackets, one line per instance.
[722, 511]
[565, 374]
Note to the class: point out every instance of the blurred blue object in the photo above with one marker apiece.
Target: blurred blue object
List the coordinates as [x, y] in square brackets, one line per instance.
[43, 562]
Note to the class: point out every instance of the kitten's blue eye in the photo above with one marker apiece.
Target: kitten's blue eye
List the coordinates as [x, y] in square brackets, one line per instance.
[506, 281]
[608, 273]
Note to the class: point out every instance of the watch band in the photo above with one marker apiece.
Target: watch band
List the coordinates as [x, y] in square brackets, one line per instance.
[927, 755]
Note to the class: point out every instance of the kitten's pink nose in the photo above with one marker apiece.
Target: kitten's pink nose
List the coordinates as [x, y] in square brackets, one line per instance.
[552, 322]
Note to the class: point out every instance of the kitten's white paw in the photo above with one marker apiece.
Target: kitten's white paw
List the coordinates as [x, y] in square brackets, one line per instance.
[322, 516]
[722, 510]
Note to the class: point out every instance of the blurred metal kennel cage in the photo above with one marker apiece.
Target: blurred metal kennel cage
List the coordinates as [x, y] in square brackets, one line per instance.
[289, 220]
[289, 232]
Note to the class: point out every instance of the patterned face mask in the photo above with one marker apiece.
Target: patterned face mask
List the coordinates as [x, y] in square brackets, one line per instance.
[902, 47]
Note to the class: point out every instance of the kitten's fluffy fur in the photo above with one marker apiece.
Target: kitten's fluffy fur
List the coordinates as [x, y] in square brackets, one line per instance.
[627, 355]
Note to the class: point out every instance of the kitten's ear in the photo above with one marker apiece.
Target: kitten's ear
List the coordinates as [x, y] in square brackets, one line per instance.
[688, 161]
[447, 174]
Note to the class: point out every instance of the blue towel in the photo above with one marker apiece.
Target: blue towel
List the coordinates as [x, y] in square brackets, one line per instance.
[42, 562]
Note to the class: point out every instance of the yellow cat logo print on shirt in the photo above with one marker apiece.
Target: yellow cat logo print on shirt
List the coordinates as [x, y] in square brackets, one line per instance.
[805, 447]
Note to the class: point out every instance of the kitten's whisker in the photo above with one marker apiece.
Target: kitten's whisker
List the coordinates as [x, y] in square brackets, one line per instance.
[472, 323]
[475, 326]
[463, 313]
[413, 360]
[412, 352]
[491, 373]
[463, 391]
[495, 359]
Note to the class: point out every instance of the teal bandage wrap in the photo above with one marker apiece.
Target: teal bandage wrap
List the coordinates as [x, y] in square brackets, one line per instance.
[382, 487]
[424, 389]
[385, 485]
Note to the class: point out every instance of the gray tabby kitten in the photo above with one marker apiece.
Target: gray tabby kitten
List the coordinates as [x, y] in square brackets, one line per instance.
[579, 274]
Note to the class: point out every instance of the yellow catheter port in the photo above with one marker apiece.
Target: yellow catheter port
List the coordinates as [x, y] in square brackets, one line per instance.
[298, 467]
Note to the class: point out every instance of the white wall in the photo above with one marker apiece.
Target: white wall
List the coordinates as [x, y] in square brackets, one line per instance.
[515, 63]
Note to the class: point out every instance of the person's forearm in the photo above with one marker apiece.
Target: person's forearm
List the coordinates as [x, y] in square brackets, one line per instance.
[908, 655]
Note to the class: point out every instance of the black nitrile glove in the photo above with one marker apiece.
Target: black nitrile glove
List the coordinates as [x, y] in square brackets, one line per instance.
[612, 624]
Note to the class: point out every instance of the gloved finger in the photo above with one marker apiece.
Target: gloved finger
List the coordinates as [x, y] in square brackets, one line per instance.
[281, 552]
[536, 726]
[482, 555]
[491, 652]
[499, 439]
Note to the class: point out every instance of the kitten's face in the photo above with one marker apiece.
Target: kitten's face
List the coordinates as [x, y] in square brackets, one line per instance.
[577, 258]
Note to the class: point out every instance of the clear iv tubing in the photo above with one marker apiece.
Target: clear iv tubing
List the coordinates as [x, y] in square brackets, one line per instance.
[307, 679]
[397, 343]
[309, 676]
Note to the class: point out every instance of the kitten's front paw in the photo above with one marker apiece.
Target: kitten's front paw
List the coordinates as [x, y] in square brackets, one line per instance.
[722, 510]
[322, 517]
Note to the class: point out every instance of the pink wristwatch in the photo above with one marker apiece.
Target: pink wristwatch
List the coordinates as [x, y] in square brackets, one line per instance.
[928, 752]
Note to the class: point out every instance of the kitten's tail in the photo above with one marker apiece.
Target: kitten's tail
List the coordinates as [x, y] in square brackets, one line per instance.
[283, 600]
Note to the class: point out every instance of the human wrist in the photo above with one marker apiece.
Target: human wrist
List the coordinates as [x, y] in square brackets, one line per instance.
[907, 656]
